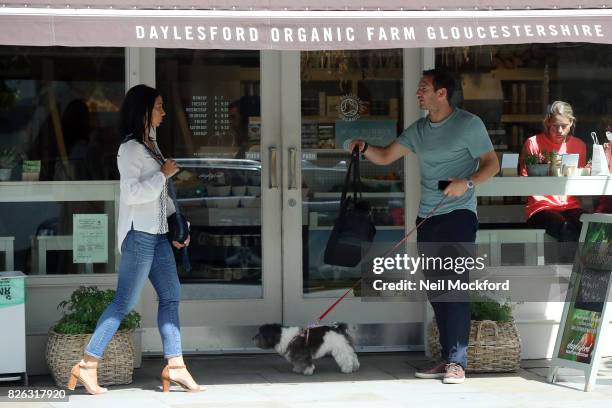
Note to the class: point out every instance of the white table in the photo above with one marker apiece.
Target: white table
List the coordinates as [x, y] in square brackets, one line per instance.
[526, 186]
[41, 244]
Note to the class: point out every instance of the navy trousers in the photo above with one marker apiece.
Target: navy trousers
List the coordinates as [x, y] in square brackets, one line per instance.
[453, 235]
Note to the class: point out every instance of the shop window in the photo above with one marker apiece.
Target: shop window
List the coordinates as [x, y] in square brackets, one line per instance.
[59, 110]
[510, 87]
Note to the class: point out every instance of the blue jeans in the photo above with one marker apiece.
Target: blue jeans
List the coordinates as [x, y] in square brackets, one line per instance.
[452, 314]
[143, 255]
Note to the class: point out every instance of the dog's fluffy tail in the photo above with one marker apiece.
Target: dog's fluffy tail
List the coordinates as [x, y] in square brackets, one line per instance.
[341, 328]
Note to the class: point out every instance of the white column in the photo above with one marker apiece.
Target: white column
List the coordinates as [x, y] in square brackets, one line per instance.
[428, 61]
[413, 67]
[139, 67]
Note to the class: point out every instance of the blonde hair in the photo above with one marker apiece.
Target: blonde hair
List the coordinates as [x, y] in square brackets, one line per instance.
[562, 109]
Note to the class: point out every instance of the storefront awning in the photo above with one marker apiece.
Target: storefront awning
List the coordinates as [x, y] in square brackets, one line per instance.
[262, 28]
[319, 4]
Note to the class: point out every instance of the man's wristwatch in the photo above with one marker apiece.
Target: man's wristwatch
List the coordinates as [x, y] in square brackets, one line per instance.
[470, 183]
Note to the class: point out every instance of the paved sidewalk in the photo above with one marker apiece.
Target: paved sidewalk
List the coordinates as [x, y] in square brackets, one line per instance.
[384, 381]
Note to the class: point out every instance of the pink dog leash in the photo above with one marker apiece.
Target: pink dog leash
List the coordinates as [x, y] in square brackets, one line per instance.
[329, 309]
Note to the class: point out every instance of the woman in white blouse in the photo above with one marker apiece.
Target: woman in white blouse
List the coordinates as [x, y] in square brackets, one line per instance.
[145, 251]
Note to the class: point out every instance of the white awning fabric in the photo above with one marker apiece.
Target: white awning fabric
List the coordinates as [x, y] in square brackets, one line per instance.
[264, 27]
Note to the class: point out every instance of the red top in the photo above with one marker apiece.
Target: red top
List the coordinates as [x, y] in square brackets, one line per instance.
[541, 143]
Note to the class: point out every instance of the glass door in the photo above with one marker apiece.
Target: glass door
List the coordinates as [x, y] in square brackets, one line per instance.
[220, 126]
[341, 94]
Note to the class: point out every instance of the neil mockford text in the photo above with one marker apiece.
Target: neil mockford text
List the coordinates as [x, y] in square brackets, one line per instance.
[409, 264]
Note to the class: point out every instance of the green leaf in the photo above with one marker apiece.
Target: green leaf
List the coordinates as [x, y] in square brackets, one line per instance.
[486, 308]
[81, 312]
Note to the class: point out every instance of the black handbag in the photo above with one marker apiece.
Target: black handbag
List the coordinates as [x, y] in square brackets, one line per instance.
[354, 229]
[178, 227]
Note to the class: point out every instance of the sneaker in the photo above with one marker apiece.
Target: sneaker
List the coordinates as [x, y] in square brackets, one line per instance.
[435, 370]
[455, 374]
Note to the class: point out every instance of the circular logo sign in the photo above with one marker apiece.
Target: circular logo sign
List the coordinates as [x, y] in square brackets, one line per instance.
[350, 107]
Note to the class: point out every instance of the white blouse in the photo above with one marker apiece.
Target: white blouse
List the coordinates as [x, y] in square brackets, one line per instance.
[141, 184]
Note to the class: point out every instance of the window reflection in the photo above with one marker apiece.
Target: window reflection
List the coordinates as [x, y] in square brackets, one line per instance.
[59, 112]
[58, 119]
[510, 88]
[347, 94]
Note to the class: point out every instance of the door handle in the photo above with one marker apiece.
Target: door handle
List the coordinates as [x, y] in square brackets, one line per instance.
[272, 172]
[292, 168]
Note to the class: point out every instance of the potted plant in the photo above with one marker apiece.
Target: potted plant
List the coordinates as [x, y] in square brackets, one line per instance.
[494, 344]
[537, 165]
[68, 338]
[8, 160]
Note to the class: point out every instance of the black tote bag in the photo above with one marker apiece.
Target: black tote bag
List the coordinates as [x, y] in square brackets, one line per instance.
[354, 229]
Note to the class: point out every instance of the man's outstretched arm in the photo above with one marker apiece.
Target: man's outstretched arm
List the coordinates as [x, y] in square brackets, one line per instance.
[381, 155]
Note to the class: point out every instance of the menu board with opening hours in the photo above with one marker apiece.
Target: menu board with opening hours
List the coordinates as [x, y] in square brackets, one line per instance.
[197, 113]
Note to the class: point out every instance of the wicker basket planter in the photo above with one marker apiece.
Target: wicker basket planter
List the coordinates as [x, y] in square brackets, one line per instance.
[65, 350]
[493, 346]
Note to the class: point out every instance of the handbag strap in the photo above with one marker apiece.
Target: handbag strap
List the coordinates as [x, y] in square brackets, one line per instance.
[172, 195]
[156, 154]
[356, 175]
[347, 180]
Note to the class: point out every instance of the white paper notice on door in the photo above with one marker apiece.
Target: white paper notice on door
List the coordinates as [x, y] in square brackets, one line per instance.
[90, 238]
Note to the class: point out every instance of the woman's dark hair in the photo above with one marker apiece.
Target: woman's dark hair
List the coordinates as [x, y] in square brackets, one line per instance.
[136, 111]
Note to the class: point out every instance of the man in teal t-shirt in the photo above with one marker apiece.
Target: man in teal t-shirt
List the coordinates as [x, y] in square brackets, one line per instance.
[451, 145]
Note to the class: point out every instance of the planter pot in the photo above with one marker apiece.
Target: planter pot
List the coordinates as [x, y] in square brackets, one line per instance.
[493, 346]
[65, 350]
[538, 170]
[137, 339]
[5, 174]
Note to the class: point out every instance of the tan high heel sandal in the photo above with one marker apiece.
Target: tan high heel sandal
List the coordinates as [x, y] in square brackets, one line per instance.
[165, 376]
[75, 376]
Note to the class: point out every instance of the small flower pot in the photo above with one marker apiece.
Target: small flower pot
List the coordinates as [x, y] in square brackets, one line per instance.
[538, 170]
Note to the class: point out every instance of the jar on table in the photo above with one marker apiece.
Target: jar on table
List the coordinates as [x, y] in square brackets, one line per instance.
[555, 166]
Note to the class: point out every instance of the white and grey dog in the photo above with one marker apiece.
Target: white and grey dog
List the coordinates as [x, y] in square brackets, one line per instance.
[301, 347]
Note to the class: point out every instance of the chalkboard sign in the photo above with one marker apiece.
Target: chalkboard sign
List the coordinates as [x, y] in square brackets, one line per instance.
[592, 290]
[585, 314]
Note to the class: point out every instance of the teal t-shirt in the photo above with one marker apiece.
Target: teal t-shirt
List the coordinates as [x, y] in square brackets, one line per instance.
[450, 148]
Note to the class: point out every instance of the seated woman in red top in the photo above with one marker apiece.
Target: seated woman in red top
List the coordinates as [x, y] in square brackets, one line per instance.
[559, 215]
